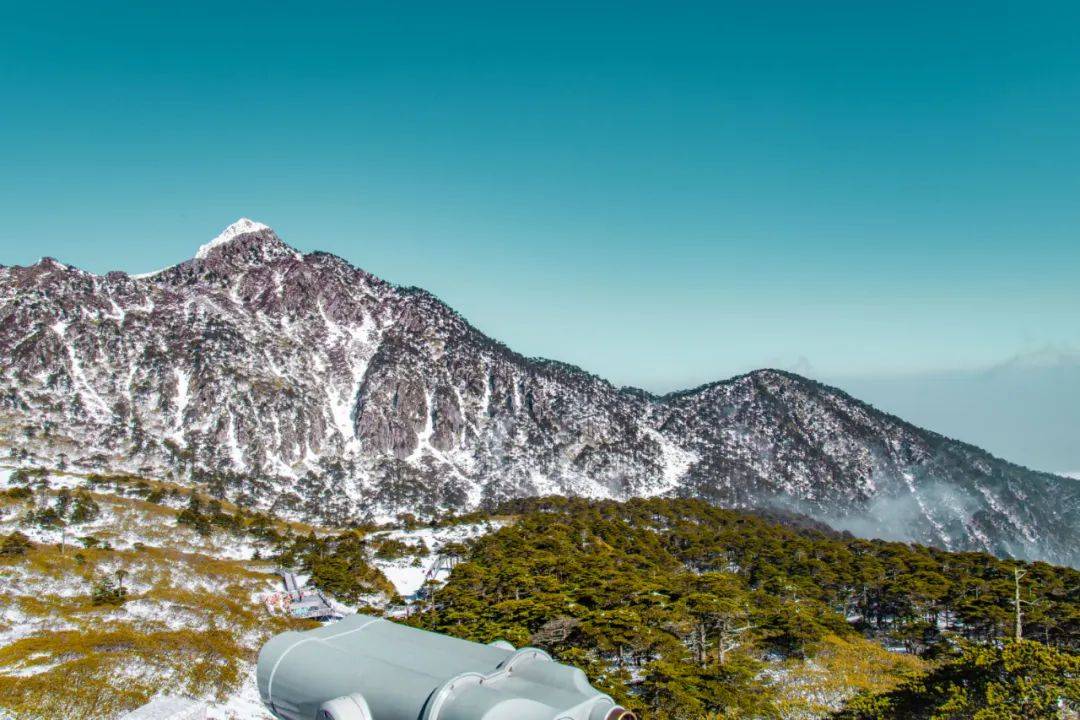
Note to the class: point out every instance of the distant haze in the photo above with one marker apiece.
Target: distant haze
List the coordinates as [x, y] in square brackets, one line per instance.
[1026, 410]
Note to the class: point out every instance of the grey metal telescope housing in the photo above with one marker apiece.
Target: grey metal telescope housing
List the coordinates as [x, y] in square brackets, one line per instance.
[368, 668]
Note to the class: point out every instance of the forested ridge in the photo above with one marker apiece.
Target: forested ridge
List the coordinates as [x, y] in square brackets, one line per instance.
[681, 609]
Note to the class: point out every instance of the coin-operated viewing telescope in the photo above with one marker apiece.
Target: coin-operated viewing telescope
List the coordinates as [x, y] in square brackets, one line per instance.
[367, 668]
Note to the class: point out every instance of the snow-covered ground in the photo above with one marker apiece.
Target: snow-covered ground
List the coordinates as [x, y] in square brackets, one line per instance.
[244, 704]
[406, 576]
[123, 522]
[177, 581]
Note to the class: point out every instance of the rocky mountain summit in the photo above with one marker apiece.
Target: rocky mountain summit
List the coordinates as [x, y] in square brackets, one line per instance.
[300, 382]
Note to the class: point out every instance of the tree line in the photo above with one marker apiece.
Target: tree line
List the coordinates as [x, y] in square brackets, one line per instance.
[679, 608]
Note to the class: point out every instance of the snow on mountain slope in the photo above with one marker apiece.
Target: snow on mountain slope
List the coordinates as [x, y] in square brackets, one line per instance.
[301, 383]
[242, 226]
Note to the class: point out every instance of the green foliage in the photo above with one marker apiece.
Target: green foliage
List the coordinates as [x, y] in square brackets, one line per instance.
[1019, 681]
[393, 549]
[15, 544]
[263, 527]
[107, 592]
[63, 502]
[674, 606]
[84, 508]
[19, 493]
[193, 516]
[205, 517]
[338, 565]
[408, 521]
[25, 476]
[838, 669]
[44, 518]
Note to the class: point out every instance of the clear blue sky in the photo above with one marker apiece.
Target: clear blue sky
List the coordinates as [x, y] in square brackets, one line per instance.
[662, 193]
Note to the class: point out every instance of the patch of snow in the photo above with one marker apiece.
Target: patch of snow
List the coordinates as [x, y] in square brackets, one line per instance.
[423, 438]
[358, 346]
[676, 461]
[146, 275]
[979, 535]
[243, 226]
[406, 578]
[909, 480]
[31, 670]
[245, 704]
[120, 312]
[1001, 508]
[18, 630]
[542, 484]
[235, 451]
[77, 374]
[172, 615]
[182, 398]
[168, 707]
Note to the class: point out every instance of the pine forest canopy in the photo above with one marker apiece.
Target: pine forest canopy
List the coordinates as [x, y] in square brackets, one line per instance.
[680, 610]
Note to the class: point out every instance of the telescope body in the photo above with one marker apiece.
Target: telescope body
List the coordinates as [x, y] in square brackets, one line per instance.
[368, 668]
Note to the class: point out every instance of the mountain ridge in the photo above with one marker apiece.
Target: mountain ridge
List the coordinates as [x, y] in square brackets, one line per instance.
[300, 381]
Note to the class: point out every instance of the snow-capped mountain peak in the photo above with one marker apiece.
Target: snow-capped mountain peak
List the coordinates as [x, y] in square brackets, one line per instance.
[257, 242]
[301, 382]
[243, 226]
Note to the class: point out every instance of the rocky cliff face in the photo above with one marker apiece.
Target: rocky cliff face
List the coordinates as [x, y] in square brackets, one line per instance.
[301, 382]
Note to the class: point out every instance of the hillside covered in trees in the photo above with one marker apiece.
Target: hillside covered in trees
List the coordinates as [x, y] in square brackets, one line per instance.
[679, 609]
[683, 610]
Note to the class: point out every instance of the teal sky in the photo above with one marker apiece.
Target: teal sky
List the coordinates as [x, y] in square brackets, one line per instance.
[662, 193]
